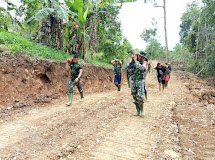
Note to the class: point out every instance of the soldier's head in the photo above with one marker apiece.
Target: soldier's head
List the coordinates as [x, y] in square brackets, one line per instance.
[134, 52]
[158, 65]
[75, 58]
[142, 56]
[116, 61]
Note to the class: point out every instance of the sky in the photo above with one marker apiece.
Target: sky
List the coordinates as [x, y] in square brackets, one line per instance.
[136, 16]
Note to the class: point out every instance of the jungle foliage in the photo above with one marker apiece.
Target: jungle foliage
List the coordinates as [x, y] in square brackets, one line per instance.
[197, 44]
[77, 27]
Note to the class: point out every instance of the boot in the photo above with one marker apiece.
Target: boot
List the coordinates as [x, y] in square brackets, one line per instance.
[141, 109]
[138, 110]
[119, 88]
[82, 96]
[70, 100]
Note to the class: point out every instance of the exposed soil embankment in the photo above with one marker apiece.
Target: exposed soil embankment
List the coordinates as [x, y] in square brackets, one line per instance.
[28, 80]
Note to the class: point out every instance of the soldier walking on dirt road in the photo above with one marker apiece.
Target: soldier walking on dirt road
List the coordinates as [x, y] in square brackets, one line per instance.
[75, 69]
[144, 61]
[137, 83]
[128, 69]
[117, 72]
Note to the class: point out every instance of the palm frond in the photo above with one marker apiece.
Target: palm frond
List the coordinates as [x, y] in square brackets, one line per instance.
[43, 13]
[62, 12]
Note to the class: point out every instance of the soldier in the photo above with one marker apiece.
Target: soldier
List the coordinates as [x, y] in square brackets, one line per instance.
[75, 70]
[128, 69]
[117, 72]
[137, 83]
[143, 59]
[159, 74]
[149, 68]
[128, 73]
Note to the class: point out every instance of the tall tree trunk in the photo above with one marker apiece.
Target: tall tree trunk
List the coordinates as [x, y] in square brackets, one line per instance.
[207, 40]
[165, 30]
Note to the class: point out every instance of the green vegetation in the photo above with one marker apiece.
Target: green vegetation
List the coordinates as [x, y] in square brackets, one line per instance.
[197, 48]
[74, 27]
[84, 27]
[154, 49]
[99, 63]
[19, 45]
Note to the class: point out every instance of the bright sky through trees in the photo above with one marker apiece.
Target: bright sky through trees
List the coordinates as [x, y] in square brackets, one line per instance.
[136, 16]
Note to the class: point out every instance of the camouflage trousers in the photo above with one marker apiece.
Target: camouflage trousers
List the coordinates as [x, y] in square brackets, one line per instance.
[72, 84]
[137, 91]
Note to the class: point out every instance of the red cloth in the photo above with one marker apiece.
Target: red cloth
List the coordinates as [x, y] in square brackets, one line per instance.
[166, 78]
[145, 64]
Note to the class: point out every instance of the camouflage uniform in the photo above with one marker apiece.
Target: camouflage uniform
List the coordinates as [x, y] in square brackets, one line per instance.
[117, 78]
[145, 63]
[127, 68]
[117, 69]
[75, 68]
[137, 82]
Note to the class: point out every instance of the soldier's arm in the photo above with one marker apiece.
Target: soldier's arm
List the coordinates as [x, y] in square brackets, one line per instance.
[120, 62]
[145, 65]
[80, 73]
[112, 62]
[67, 66]
[139, 66]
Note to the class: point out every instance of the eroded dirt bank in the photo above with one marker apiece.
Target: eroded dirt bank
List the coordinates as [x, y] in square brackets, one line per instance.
[25, 80]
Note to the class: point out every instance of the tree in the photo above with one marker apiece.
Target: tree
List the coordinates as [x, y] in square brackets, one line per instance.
[110, 39]
[156, 48]
[148, 34]
[6, 14]
[198, 38]
[189, 27]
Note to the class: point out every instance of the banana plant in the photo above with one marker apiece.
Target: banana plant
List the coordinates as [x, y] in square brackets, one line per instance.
[61, 11]
[81, 18]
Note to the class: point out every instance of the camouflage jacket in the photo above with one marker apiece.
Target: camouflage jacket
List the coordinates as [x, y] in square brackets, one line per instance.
[137, 71]
[75, 69]
[117, 69]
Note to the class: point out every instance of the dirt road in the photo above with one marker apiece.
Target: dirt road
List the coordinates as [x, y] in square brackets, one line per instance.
[103, 127]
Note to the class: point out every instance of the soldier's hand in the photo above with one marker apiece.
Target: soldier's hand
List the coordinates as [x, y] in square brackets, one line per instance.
[69, 60]
[135, 58]
[76, 80]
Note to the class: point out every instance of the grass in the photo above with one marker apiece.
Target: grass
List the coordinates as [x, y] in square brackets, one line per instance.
[99, 63]
[19, 45]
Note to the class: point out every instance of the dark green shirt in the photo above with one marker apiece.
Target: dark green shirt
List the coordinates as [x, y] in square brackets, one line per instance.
[75, 70]
[117, 69]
